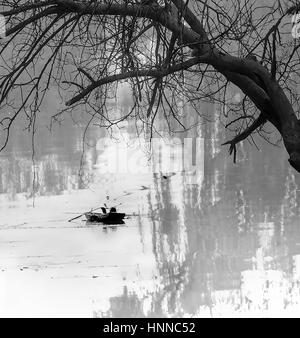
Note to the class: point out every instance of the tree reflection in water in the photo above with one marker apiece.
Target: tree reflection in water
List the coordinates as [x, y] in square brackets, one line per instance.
[230, 246]
[226, 246]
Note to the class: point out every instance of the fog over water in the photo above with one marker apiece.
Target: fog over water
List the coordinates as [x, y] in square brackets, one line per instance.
[224, 241]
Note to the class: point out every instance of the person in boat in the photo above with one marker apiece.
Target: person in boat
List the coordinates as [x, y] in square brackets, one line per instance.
[103, 210]
[113, 209]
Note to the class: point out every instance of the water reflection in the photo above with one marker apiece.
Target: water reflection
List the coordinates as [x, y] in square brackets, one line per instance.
[226, 246]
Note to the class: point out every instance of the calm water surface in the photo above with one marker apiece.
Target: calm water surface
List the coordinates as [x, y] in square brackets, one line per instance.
[228, 245]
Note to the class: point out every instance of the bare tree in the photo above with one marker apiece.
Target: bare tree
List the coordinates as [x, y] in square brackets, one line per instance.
[164, 49]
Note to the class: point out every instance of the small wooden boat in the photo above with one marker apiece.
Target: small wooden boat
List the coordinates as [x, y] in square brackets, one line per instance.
[106, 218]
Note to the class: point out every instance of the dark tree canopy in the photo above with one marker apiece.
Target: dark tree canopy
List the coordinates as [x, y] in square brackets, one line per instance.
[164, 50]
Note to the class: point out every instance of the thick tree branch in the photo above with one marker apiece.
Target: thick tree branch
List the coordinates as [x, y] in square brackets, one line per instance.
[28, 7]
[194, 23]
[152, 73]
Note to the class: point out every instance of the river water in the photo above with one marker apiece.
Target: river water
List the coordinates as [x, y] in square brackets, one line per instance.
[222, 241]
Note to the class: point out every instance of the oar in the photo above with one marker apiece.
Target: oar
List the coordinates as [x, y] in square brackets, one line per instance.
[136, 215]
[72, 219]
